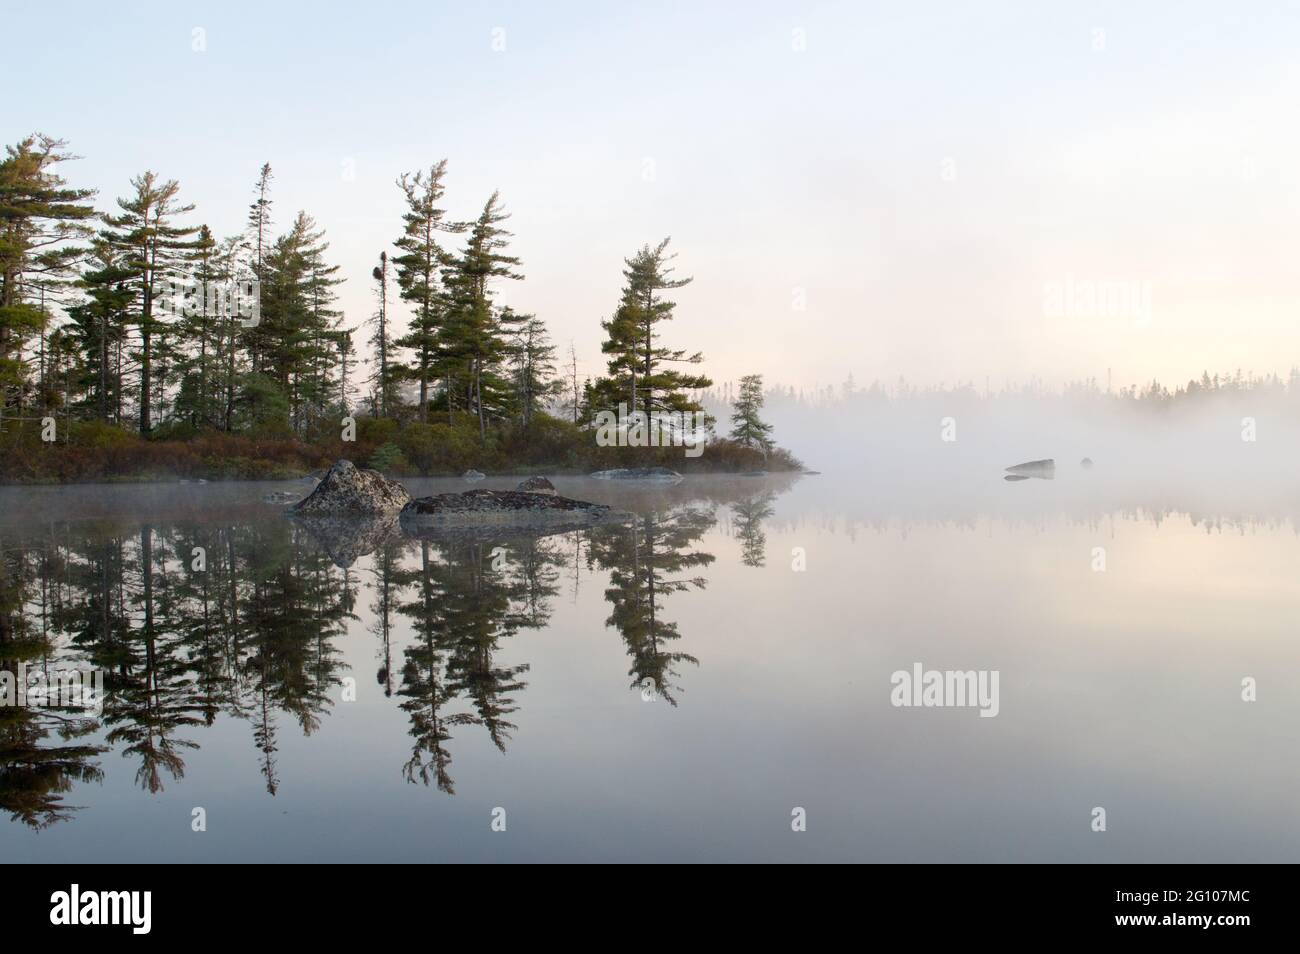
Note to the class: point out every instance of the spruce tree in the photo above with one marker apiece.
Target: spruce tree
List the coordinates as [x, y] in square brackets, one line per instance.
[152, 246]
[298, 318]
[419, 275]
[747, 427]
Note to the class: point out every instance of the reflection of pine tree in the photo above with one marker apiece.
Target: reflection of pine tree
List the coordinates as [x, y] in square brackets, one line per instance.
[423, 691]
[154, 695]
[34, 778]
[252, 634]
[293, 612]
[749, 515]
[463, 608]
[386, 573]
[645, 560]
[478, 612]
[200, 620]
[538, 562]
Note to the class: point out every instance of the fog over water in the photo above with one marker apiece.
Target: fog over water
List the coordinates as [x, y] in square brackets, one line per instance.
[768, 615]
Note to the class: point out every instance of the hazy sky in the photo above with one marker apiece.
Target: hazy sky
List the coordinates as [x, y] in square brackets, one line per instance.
[940, 186]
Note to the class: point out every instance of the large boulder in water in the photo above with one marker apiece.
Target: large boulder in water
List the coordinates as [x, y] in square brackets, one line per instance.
[347, 489]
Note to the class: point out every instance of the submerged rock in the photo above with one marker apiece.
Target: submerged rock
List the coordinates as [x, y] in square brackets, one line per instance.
[638, 473]
[473, 475]
[281, 497]
[1043, 469]
[503, 508]
[536, 485]
[347, 489]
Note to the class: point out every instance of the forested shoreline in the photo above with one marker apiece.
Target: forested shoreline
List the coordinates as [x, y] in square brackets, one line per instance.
[100, 380]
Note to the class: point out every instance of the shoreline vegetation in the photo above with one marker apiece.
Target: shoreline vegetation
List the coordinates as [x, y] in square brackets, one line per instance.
[98, 454]
[137, 345]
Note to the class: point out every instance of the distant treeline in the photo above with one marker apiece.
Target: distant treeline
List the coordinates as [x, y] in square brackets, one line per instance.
[1151, 394]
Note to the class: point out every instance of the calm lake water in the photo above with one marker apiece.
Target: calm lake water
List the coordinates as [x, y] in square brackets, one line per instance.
[671, 689]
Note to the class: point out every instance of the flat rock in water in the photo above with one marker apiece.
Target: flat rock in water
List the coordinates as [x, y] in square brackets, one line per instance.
[536, 485]
[281, 497]
[1045, 469]
[503, 508]
[638, 473]
[347, 489]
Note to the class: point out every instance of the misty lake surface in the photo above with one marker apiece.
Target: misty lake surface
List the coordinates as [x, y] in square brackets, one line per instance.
[669, 689]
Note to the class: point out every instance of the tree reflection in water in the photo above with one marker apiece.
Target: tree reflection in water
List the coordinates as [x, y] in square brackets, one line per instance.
[210, 619]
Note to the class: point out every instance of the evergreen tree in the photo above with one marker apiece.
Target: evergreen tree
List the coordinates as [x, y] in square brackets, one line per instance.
[196, 401]
[387, 371]
[151, 246]
[98, 322]
[256, 245]
[41, 223]
[533, 368]
[747, 427]
[474, 336]
[298, 318]
[419, 271]
[640, 375]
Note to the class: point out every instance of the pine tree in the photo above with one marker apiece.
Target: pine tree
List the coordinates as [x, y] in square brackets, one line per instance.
[640, 376]
[41, 223]
[474, 335]
[257, 244]
[99, 323]
[195, 402]
[747, 427]
[151, 246]
[385, 378]
[298, 318]
[327, 329]
[419, 270]
[533, 368]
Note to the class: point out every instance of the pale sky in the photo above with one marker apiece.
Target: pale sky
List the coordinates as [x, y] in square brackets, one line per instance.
[924, 178]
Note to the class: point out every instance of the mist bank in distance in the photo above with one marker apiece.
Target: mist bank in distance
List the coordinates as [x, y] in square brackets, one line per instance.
[1222, 444]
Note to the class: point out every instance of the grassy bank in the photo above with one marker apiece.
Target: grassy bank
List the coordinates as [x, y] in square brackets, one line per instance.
[95, 452]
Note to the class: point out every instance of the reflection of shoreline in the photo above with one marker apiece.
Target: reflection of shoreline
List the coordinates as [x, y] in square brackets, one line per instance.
[244, 617]
[976, 521]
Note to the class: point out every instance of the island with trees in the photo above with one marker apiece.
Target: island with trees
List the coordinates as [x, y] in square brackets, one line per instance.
[104, 377]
